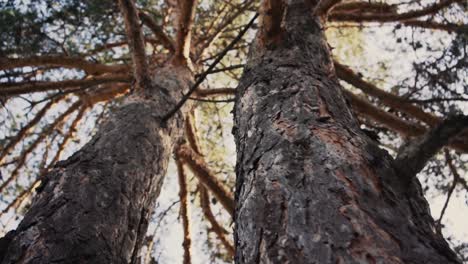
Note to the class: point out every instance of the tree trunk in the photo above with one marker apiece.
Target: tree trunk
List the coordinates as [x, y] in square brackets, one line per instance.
[95, 206]
[311, 187]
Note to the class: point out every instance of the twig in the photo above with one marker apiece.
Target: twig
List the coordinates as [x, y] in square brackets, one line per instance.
[210, 68]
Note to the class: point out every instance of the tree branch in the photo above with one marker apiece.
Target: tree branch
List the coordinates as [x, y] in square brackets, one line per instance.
[391, 17]
[184, 29]
[324, 6]
[44, 133]
[210, 68]
[166, 41]
[136, 43]
[217, 91]
[413, 157]
[24, 130]
[347, 75]
[61, 61]
[215, 226]
[42, 168]
[272, 14]
[199, 168]
[449, 27]
[365, 7]
[31, 87]
[365, 108]
[184, 210]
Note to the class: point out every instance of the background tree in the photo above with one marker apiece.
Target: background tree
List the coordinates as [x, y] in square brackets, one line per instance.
[65, 68]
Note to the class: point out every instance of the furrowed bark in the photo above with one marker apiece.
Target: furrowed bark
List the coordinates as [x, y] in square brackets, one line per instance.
[94, 207]
[311, 187]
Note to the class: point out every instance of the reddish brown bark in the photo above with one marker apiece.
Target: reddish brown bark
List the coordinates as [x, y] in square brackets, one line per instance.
[311, 187]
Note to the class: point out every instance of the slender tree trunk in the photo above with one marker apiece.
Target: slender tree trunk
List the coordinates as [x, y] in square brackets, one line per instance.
[95, 206]
[311, 187]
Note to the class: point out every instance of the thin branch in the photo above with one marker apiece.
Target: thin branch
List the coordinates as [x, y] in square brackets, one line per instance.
[210, 68]
[213, 100]
[206, 42]
[136, 43]
[33, 87]
[61, 61]
[217, 91]
[413, 156]
[449, 27]
[200, 169]
[391, 17]
[456, 178]
[229, 68]
[44, 133]
[166, 41]
[42, 168]
[24, 130]
[183, 194]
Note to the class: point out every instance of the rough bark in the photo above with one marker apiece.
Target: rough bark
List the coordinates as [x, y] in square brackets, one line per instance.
[311, 187]
[94, 207]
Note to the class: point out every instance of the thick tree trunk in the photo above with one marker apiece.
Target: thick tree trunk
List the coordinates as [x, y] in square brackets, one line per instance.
[311, 188]
[95, 206]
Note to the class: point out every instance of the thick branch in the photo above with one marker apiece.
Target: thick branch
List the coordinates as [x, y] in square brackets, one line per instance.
[190, 134]
[61, 61]
[347, 75]
[184, 29]
[324, 6]
[414, 156]
[215, 226]
[365, 7]
[200, 169]
[365, 108]
[272, 16]
[136, 42]
[166, 41]
[405, 128]
[391, 17]
[31, 87]
[184, 210]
